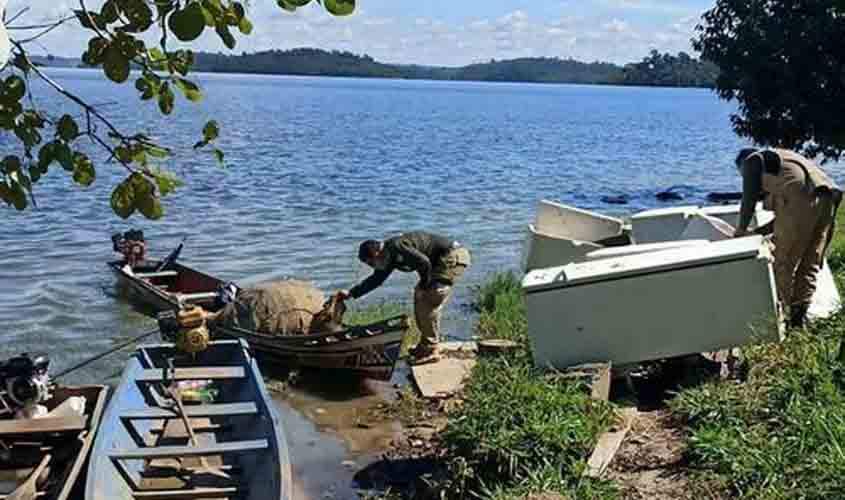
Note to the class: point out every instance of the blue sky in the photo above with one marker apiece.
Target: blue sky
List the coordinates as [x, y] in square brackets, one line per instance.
[442, 32]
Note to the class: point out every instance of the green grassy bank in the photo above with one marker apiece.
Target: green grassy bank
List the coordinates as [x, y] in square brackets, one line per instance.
[777, 432]
[519, 430]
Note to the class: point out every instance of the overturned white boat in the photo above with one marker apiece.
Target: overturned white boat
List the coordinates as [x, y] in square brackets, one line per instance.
[682, 285]
[652, 305]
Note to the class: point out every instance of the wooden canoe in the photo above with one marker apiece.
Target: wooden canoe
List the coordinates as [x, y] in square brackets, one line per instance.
[143, 450]
[371, 350]
[60, 445]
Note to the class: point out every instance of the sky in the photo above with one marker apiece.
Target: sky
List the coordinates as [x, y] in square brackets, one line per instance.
[439, 32]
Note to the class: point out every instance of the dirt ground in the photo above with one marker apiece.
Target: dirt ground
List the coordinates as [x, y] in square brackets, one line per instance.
[649, 464]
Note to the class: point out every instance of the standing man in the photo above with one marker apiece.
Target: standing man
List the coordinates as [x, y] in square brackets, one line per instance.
[804, 200]
[440, 263]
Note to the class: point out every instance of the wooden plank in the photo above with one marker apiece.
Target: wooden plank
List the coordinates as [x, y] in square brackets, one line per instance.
[596, 375]
[205, 373]
[188, 297]
[44, 425]
[190, 451]
[443, 378]
[225, 492]
[608, 444]
[192, 411]
[160, 274]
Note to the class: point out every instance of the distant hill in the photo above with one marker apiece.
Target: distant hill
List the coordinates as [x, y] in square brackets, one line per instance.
[57, 62]
[656, 69]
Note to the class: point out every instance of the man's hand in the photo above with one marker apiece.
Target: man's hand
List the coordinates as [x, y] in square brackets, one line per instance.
[343, 295]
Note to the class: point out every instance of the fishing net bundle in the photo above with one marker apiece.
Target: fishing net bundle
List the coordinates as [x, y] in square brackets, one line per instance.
[283, 308]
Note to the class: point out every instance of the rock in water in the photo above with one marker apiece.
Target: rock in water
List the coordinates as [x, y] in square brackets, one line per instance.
[282, 308]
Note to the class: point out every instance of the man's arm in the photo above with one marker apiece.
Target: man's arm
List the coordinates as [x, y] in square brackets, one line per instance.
[372, 282]
[752, 185]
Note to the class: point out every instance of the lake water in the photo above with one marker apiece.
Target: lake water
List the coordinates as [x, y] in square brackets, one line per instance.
[316, 164]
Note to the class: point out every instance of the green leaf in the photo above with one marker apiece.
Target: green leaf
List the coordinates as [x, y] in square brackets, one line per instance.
[156, 151]
[35, 172]
[123, 199]
[181, 61]
[64, 155]
[285, 5]
[166, 182]
[17, 196]
[187, 24]
[96, 51]
[22, 62]
[220, 157]
[5, 192]
[28, 135]
[237, 10]
[32, 118]
[15, 88]
[22, 179]
[46, 156]
[123, 154]
[109, 13]
[340, 7]
[164, 7]
[150, 207]
[83, 170]
[67, 128]
[245, 26]
[138, 13]
[115, 64]
[190, 89]
[211, 131]
[143, 86]
[165, 99]
[11, 164]
[225, 35]
[298, 3]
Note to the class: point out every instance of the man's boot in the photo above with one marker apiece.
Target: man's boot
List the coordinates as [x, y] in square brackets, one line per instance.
[798, 316]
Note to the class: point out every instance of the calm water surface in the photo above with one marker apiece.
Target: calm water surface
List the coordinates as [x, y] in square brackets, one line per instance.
[315, 165]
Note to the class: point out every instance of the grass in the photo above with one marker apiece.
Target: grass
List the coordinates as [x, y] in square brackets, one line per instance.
[779, 433]
[518, 429]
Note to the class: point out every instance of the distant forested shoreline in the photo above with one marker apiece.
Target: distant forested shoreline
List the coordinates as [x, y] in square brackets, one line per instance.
[656, 69]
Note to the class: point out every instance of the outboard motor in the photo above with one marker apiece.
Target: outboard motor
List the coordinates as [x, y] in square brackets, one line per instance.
[131, 245]
[25, 381]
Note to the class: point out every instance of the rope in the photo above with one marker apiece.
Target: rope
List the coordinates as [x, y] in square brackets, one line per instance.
[106, 353]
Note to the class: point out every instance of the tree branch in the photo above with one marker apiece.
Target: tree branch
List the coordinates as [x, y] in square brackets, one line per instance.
[40, 26]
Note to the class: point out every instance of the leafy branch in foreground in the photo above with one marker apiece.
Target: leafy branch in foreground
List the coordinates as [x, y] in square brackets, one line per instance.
[116, 46]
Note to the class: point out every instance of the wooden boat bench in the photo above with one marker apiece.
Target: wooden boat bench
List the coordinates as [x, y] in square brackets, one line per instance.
[213, 449]
[153, 375]
[191, 411]
[47, 425]
[195, 297]
[159, 274]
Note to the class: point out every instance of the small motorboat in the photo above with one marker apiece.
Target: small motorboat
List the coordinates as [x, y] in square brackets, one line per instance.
[155, 286]
[46, 431]
[153, 444]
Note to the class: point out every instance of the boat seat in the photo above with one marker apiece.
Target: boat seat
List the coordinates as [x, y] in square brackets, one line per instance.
[47, 425]
[159, 274]
[206, 373]
[205, 492]
[189, 451]
[192, 411]
[191, 297]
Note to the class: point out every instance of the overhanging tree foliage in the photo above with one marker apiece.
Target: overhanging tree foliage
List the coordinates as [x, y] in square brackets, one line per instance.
[784, 63]
[117, 45]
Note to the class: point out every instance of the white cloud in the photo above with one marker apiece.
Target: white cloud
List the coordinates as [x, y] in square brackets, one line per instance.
[614, 30]
[616, 26]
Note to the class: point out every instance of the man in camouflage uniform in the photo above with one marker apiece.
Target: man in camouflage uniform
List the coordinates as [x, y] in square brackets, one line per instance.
[804, 200]
[440, 263]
